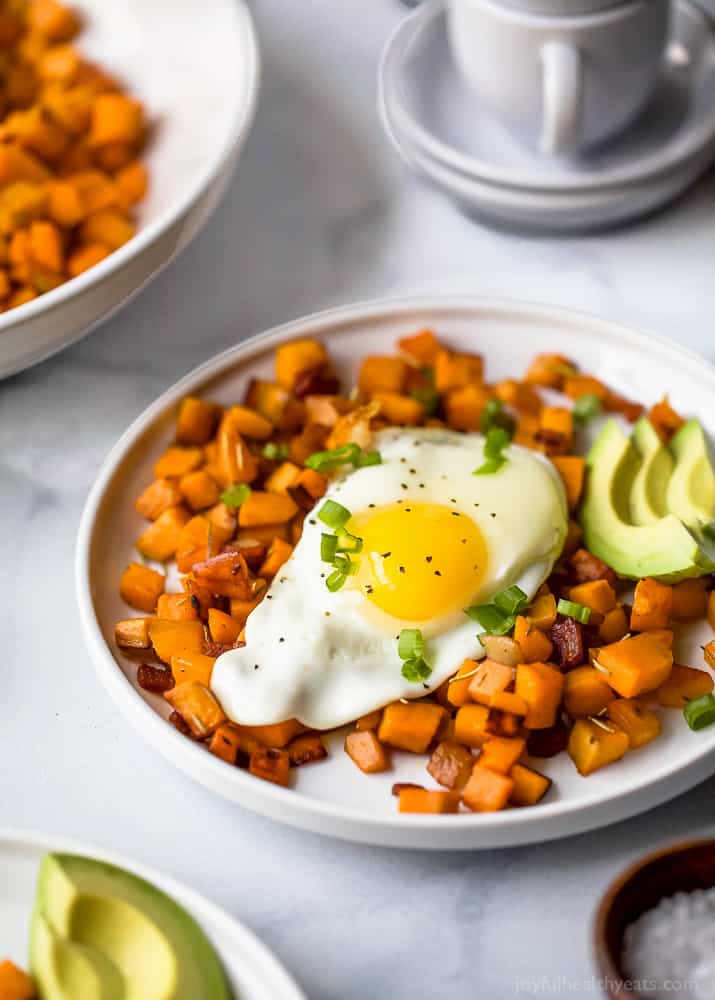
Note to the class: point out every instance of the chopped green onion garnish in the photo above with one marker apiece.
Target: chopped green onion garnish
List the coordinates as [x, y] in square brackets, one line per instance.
[410, 644]
[369, 458]
[573, 610]
[498, 438]
[328, 461]
[275, 450]
[345, 565]
[512, 600]
[235, 495]
[494, 415]
[700, 712]
[348, 543]
[429, 399]
[328, 547]
[491, 618]
[335, 581]
[416, 669]
[586, 408]
[334, 514]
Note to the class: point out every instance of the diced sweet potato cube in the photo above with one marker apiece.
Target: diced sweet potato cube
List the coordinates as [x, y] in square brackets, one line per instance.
[453, 369]
[598, 595]
[665, 420]
[576, 386]
[285, 475]
[500, 753]
[470, 725]
[683, 685]
[635, 665]
[196, 422]
[638, 722]
[192, 667]
[250, 424]
[549, 371]
[241, 608]
[296, 357]
[420, 800]
[458, 690]
[158, 497]
[586, 692]
[116, 118]
[542, 612]
[85, 256]
[541, 687]
[56, 21]
[534, 644]
[266, 508]
[306, 749]
[529, 786]
[199, 489]
[14, 983]
[450, 764]
[487, 791]
[133, 633]
[161, 539]
[223, 628]
[421, 348]
[410, 725]
[271, 765]
[571, 468]
[555, 432]
[177, 462]
[370, 721]
[176, 607]
[382, 373]
[276, 404]
[367, 751]
[491, 678]
[652, 605]
[278, 734]
[398, 409]
[197, 707]
[278, 553]
[132, 183]
[172, 638]
[464, 405]
[614, 625]
[226, 743]
[109, 227]
[595, 745]
[141, 586]
[519, 395]
[690, 599]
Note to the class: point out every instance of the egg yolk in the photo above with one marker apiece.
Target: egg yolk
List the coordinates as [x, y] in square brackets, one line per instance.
[419, 561]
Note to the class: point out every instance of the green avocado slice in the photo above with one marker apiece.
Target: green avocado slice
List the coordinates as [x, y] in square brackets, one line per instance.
[691, 490]
[664, 549]
[648, 493]
[100, 933]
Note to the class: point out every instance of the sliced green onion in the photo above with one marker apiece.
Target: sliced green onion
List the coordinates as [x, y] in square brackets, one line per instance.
[512, 600]
[411, 644]
[490, 467]
[586, 408]
[334, 514]
[335, 581]
[274, 450]
[700, 712]
[416, 669]
[345, 542]
[345, 565]
[494, 415]
[429, 399]
[328, 547]
[369, 458]
[498, 438]
[328, 461]
[571, 609]
[492, 619]
[235, 495]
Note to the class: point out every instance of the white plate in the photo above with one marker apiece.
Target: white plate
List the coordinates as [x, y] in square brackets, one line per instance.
[334, 797]
[198, 77]
[252, 971]
[549, 212]
[442, 118]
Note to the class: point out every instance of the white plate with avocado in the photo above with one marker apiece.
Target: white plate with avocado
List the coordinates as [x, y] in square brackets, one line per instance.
[129, 911]
[334, 797]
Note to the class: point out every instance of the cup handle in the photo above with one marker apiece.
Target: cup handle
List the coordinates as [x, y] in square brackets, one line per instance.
[562, 97]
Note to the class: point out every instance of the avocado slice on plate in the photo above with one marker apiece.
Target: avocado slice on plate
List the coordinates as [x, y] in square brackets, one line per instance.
[691, 490]
[648, 492]
[100, 933]
[664, 548]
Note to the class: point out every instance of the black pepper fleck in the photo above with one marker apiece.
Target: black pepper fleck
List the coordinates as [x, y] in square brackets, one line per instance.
[401, 569]
[437, 573]
[429, 558]
[386, 555]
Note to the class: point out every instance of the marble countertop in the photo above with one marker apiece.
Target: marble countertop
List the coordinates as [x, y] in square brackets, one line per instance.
[320, 213]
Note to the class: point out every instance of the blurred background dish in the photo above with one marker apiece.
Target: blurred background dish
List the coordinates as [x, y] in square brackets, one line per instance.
[191, 155]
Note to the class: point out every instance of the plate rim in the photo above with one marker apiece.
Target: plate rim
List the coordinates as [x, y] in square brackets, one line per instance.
[288, 805]
[682, 149]
[200, 907]
[244, 113]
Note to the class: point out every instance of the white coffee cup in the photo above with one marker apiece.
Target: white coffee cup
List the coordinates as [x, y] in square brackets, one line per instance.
[562, 82]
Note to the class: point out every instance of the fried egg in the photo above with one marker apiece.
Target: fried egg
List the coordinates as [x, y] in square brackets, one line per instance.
[436, 539]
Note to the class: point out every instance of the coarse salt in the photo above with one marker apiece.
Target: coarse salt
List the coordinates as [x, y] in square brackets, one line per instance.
[670, 949]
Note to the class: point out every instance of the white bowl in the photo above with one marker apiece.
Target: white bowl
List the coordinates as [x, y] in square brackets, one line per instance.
[252, 971]
[197, 73]
[334, 797]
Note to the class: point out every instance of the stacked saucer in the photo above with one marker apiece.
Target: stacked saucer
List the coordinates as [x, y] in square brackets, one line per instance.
[444, 135]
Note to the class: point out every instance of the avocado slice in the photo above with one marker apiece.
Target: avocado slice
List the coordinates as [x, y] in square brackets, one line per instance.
[648, 502]
[664, 549]
[101, 933]
[691, 490]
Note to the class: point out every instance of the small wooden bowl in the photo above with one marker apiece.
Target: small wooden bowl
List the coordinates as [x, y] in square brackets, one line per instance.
[682, 868]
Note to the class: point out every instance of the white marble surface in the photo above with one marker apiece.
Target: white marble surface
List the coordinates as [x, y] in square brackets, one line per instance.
[320, 213]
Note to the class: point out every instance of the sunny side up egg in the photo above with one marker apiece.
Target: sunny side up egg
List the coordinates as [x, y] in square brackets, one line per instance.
[436, 539]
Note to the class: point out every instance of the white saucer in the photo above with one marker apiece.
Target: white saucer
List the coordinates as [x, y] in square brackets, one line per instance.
[546, 212]
[435, 115]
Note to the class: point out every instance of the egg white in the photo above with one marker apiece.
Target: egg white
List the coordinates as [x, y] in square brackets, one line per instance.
[327, 658]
